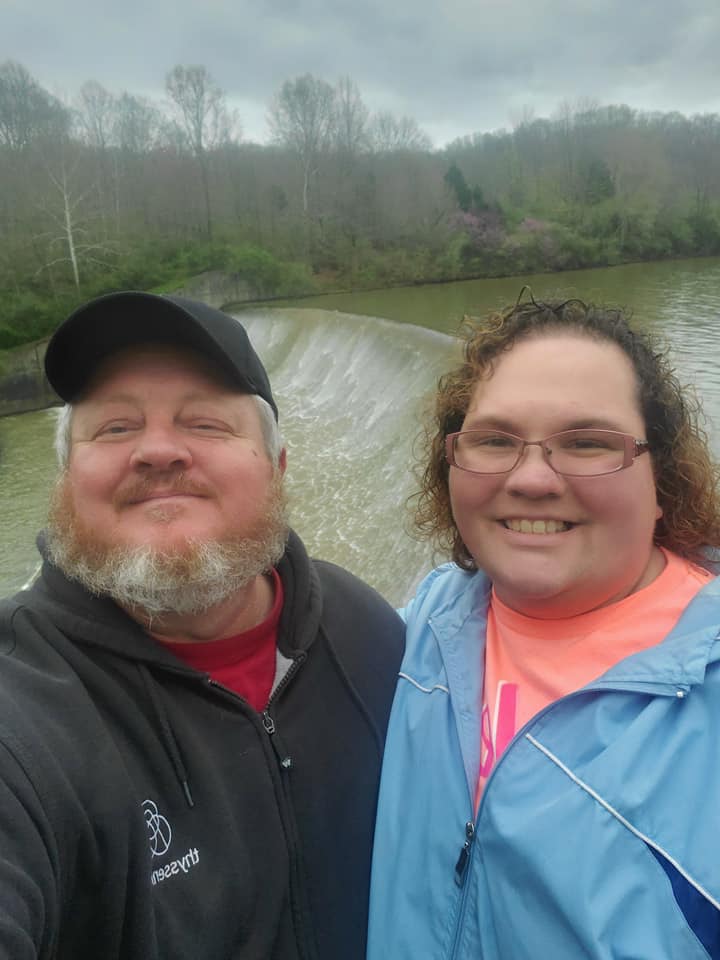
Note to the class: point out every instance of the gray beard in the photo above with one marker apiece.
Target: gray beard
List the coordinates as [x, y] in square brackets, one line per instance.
[188, 581]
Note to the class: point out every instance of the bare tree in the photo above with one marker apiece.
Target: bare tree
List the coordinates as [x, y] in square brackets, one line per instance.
[96, 109]
[95, 117]
[390, 133]
[66, 211]
[137, 124]
[301, 118]
[27, 112]
[351, 119]
[202, 116]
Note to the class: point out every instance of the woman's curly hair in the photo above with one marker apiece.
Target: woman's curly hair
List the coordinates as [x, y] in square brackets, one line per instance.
[686, 477]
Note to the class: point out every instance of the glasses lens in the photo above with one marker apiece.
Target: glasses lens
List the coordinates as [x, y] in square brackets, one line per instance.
[586, 453]
[486, 451]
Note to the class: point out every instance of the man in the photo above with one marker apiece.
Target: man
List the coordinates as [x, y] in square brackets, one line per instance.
[192, 712]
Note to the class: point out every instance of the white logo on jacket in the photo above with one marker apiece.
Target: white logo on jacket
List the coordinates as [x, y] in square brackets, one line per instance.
[158, 828]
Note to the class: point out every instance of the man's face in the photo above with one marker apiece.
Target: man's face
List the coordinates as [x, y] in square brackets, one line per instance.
[164, 453]
[541, 386]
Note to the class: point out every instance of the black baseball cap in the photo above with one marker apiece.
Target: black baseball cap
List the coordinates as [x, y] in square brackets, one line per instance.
[112, 322]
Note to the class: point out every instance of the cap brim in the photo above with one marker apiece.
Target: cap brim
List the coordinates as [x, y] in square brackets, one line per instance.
[116, 321]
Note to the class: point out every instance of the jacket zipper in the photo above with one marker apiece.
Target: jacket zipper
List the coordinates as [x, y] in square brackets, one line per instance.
[268, 721]
[298, 901]
[284, 758]
[286, 763]
[266, 718]
[464, 860]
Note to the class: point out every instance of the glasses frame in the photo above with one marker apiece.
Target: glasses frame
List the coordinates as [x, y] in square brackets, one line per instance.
[633, 448]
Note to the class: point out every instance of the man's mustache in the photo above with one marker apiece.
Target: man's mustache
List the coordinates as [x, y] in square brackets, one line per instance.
[176, 483]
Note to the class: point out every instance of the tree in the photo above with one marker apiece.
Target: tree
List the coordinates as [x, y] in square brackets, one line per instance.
[390, 133]
[66, 211]
[96, 120]
[27, 112]
[351, 119]
[96, 113]
[203, 118]
[301, 118]
[137, 124]
[596, 182]
[455, 181]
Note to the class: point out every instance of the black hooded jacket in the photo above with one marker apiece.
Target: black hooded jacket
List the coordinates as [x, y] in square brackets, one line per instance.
[146, 812]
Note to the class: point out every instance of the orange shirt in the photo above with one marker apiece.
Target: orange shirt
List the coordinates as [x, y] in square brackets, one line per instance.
[529, 663]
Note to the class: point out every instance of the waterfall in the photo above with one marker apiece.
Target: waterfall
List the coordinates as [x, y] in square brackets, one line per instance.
[351, 392]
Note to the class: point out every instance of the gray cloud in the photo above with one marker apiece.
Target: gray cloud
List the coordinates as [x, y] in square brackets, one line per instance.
[457, 66]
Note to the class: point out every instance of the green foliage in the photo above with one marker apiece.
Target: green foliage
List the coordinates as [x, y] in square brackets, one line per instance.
[455, 181]
[705, 232]
[596, 182]
[30, 316]
[478, 199]
[35, 312]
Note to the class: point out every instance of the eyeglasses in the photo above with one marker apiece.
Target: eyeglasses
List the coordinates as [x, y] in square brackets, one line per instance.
[571, 453]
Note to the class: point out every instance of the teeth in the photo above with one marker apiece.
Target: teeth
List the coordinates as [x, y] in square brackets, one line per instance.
[537, 526]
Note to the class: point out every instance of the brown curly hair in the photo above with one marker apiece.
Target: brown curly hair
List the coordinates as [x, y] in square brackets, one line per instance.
[686, 477]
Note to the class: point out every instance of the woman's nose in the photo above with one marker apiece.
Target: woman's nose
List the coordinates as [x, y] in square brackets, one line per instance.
[533, 476]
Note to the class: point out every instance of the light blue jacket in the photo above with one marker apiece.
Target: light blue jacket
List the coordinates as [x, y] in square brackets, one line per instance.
[598, 835]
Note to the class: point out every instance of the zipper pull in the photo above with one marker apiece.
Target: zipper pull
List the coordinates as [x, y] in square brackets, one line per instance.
[463, 859]
[277, 744]
[268, 723]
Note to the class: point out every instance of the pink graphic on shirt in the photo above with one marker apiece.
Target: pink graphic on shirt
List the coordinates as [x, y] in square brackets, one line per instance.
[487, 748]
[495, 736]
[505, 715]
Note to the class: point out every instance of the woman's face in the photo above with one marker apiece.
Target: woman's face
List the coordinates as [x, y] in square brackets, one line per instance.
[599, 547]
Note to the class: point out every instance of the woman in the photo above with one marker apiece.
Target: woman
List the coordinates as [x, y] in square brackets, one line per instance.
[551, 777]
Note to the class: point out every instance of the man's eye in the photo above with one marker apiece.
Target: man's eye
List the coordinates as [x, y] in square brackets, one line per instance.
[114, 429]
[204, 426]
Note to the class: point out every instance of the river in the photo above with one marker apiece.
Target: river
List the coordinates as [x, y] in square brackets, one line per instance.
[351, 390]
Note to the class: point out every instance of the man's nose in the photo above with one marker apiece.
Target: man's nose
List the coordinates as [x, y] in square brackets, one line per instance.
[161, 447]
[533, 476]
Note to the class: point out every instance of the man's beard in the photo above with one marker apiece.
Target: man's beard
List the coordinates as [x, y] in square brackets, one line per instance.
[187, 580]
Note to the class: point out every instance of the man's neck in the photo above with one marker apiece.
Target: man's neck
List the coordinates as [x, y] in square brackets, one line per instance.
[243, 611]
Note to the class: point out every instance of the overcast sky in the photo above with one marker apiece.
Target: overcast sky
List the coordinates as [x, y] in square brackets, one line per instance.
[457, 66]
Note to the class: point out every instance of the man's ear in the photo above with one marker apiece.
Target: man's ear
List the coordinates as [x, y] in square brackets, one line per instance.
[282, 461]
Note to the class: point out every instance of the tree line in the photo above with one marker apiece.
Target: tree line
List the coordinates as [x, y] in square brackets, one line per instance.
[114, 190]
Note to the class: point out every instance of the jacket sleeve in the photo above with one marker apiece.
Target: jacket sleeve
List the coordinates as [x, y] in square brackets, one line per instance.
[28, 888]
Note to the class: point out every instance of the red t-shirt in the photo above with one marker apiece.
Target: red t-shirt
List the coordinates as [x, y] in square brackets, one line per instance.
[244, 663]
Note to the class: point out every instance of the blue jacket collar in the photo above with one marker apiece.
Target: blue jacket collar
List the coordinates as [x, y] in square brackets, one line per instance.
[680, 660]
